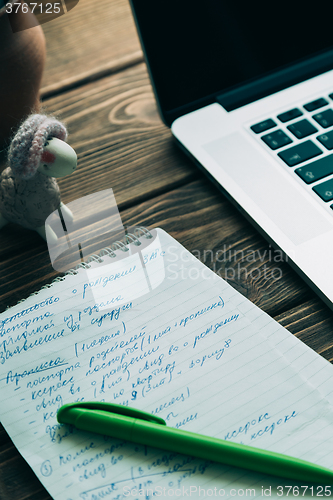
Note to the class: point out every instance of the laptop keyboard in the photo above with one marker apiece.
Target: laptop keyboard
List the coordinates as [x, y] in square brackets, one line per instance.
[300, 136]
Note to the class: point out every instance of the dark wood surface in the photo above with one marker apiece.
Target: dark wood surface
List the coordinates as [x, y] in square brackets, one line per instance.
[96, 81]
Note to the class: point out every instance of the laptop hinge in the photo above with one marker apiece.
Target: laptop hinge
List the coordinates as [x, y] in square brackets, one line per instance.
[270, 84]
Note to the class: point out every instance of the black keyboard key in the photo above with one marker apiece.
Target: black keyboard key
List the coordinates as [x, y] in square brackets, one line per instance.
[331, 96]
[316, 170]
[276, 139]
[318, 103]
[325, 119]
[302, 129]
[262, 126]
[325, 190]
[326, 140]
[290, 115]
[298, 154]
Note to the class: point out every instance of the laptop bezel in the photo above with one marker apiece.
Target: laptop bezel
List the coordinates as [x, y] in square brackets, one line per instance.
[244, 93]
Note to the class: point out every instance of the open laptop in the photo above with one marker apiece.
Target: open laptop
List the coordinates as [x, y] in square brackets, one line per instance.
[247, 89]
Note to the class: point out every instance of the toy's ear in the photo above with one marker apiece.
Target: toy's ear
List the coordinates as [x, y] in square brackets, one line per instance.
[58, 158]
[47, 157]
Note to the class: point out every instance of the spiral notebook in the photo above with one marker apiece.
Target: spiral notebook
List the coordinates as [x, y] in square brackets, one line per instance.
[145, 324]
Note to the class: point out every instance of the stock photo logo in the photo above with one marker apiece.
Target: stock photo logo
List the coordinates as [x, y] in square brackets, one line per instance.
[26, 14]
[114, 265]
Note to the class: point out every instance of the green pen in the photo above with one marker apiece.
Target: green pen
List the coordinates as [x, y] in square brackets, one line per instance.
[143, 428]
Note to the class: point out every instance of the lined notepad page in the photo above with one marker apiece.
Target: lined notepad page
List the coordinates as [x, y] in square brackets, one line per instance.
[158, 331]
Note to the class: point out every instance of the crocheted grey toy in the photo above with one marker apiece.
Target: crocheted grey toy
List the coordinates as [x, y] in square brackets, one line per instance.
[29, 192]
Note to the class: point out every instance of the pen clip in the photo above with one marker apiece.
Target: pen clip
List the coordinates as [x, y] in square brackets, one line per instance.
[118, 409]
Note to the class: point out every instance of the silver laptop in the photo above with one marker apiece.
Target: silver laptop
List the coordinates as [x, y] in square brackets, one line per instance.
[247, 89]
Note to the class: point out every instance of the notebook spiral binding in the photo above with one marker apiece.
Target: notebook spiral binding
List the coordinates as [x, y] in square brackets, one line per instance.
[139, 232]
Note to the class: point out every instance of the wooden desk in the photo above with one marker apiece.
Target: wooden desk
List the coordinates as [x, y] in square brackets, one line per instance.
[96, 81]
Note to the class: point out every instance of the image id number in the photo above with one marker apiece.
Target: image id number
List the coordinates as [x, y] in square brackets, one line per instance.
[300, 491]
[49, 8]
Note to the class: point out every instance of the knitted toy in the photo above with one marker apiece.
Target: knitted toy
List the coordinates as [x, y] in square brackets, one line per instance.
[29, 192]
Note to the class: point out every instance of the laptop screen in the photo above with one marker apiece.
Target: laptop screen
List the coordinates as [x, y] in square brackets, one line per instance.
[197, 49]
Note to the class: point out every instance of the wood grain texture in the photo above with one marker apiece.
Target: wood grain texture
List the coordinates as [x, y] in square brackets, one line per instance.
[311, 322]
[17, 481]
[120, 140]
[95, 36]
[202, 220]
[193, 215]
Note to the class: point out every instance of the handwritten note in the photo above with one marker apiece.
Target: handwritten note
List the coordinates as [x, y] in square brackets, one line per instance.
[172, 338]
